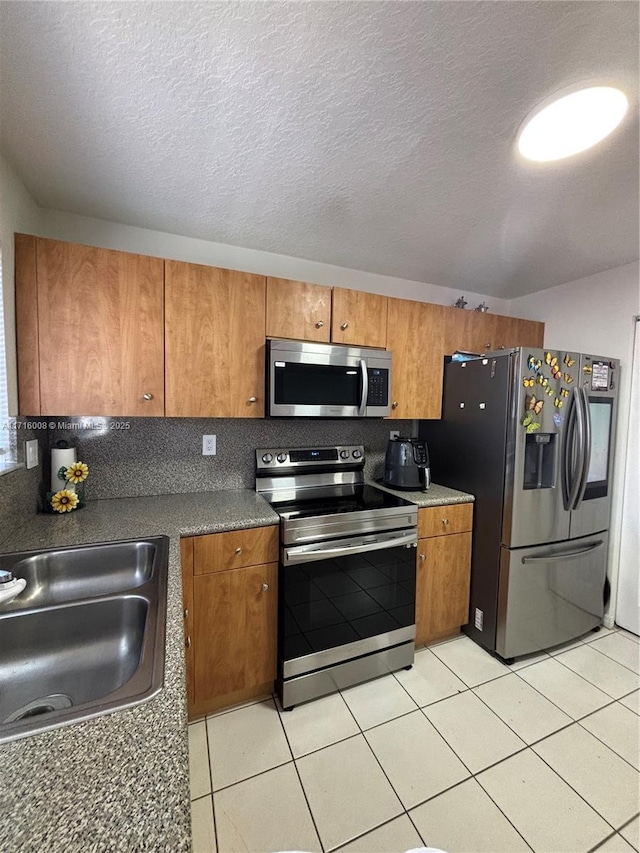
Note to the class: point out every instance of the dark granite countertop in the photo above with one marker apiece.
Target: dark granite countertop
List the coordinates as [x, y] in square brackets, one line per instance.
[435, 496]
[118, 782]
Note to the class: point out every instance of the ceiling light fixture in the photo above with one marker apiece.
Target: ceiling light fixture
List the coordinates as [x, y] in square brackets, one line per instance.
[567, 124]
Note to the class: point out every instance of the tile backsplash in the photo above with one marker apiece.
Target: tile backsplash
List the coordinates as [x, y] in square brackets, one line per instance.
[156, 456]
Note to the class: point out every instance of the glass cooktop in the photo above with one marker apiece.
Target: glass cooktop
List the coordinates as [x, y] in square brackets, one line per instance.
[342, 499]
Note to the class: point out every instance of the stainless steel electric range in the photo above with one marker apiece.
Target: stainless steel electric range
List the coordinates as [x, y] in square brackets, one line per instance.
[347, 573]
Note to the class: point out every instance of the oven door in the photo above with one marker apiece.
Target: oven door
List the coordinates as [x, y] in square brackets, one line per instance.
[320, 380]
[345, 598]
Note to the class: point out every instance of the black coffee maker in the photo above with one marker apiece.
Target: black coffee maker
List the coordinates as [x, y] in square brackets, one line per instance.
[406, 465]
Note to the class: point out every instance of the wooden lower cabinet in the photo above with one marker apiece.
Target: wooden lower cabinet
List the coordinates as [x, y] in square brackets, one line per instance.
[442, 582]
[230, 622]
[235, 632]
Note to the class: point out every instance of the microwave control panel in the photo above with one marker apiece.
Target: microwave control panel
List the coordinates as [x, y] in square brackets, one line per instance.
[378, 387]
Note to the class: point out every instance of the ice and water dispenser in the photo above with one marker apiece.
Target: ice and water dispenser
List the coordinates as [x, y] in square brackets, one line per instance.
[540, 460]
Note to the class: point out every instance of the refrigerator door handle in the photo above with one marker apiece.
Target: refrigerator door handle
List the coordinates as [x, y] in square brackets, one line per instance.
[569, 555]
[585, 450]
[570, 479]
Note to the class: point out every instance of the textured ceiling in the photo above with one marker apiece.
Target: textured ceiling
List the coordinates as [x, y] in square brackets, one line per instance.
[377, 136]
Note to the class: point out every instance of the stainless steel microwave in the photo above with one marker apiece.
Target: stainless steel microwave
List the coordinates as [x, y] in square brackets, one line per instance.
[327, 380]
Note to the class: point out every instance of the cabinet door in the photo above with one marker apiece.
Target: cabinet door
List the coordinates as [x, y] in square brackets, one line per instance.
[514, 332]
[415, 337]
[358, 318]
[100, 343]
[298, 310]
[442, 585]
[214, 329]
[186, 566]
[469, 331]
[235, 614]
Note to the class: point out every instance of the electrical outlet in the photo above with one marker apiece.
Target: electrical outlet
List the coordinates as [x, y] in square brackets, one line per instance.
[31, 453]
[208, 445]
[395, 433]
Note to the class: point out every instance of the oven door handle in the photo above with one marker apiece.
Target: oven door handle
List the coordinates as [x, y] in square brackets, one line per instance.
[307, 554]
[362, 411]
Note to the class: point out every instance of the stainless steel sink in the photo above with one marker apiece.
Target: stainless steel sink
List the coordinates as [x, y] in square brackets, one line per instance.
[85, 571]
[89, 640]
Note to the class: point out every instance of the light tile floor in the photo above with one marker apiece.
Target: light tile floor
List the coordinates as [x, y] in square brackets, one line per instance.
[461, 753]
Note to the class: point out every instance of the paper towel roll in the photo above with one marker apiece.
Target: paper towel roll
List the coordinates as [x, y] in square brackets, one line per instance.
[61, 457]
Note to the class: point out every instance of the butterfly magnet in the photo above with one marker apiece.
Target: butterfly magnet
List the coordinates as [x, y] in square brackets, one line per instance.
[568, 360]
[528, 381]
[534, 405]
[568, 378]
[534, 363]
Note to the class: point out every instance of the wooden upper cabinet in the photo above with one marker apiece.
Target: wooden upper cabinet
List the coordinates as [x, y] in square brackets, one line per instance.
[214, 339]
[474, 331]
[514, 332]
[100, 330]
[415, 337]
[469, 331]
[359, 318]
[298, 310]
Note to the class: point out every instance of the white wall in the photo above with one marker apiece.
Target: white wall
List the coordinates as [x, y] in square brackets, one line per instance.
[18, 212]
[596, 315]
[112, 235]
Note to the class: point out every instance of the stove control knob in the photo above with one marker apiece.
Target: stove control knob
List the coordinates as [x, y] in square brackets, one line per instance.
[344, 454]
[267, 458]
[357, 454]
[281, 457]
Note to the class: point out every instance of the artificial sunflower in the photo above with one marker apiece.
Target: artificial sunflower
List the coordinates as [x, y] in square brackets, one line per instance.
[77, 473]
[64, 501]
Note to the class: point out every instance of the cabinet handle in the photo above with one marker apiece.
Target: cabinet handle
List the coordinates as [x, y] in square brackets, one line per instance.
[238, 550]
[423, 557]
[147, 396]
[488, 346]
[445, 521]
[319, 324]
[265, 587]
[253, 399]
[187, 642]
[394, 405]
[186, 613]
[344, 326]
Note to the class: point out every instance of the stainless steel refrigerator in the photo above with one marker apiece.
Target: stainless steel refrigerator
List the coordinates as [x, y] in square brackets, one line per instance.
[530, 433]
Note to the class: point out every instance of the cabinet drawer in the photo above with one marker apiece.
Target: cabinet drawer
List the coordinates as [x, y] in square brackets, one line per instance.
[442, 520]
[218, 552]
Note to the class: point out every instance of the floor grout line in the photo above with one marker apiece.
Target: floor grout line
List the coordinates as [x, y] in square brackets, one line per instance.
[407, 811]
[295, 767]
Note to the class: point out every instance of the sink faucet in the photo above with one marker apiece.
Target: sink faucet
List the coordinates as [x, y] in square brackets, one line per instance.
[10, 587]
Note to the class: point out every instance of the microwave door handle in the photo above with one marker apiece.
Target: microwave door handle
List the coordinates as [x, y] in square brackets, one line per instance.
[362, 411]
[586, 450]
